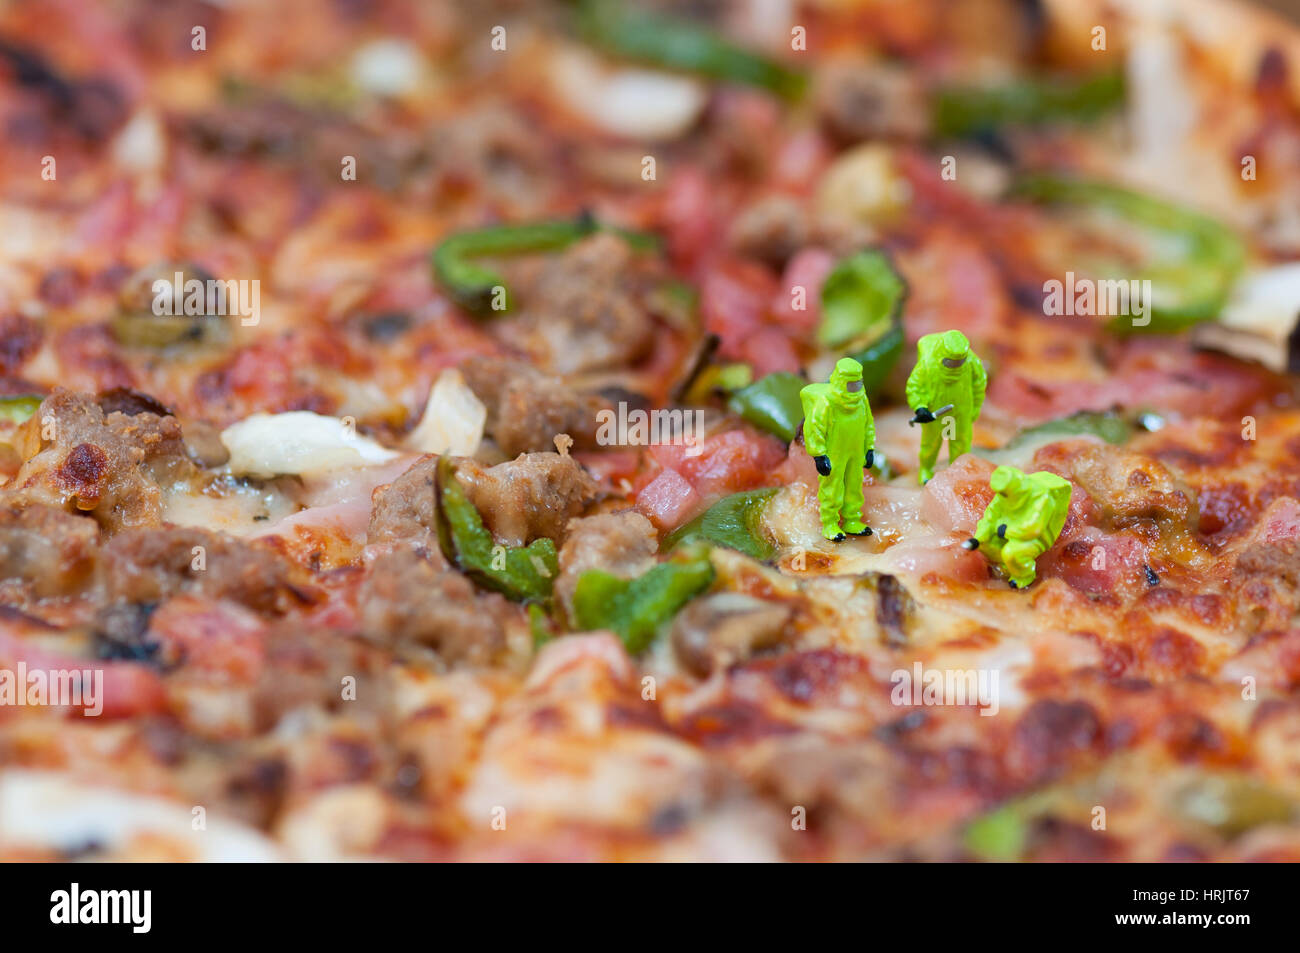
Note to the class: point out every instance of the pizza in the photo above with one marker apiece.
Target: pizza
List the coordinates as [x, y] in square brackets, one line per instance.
[402, 453]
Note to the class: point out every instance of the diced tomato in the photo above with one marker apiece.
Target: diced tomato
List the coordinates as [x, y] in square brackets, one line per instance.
[954, 284]
[1096, 562]
[741, 459]
[129, 688]
[688, 216]
[956, 498]
[213, 636]
[807, 270]
[801, 159]
[611, 467]
[798, 467]
[668, 500]
[1280, 522]
[768, 350]
[734, 298]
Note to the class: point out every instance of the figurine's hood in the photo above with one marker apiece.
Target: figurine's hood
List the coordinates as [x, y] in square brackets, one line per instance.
[847, 370]
[953, 345]
[1006, 480]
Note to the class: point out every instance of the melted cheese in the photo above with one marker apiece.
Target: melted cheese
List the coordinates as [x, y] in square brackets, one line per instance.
[298, 443]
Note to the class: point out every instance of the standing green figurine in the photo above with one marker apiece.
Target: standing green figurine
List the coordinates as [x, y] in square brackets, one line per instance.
[840, 435]
[948, 380]
[1022, 522]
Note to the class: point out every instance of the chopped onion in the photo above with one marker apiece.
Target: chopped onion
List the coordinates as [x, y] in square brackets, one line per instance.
[629, 102]
[388, 67]
[1259, 319]
[453, 418]
[141, 146]
[863, 186]
[298, 443]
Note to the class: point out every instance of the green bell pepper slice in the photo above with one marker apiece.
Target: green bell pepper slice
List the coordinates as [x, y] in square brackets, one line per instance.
[735, 521]
[960, 111]
[862, 314]
[638, 609]
[862, 297]
[674, 44]
[521, 573]
[20, 407]
[471, 284]
[1110, 427]
[771, 403]
[539, 625]
[998, 836]
[1187, 288]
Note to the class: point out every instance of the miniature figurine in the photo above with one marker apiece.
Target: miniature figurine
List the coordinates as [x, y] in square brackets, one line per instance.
[1022, 522]
[948, 376]
[839, 434]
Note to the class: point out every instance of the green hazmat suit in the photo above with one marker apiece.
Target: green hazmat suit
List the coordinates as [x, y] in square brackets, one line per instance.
[1032, 507]
[839, 429]
[947, 372]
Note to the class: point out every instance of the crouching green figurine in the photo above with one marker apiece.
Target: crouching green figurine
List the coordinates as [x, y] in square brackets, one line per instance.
[947, 382]
[1022, 522]
[840, 435]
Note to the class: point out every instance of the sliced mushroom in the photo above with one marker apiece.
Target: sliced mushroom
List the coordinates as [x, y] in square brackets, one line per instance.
[1260, 321]
[720, 630]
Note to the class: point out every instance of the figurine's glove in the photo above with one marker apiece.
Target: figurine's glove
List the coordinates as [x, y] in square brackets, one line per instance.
[922, 415]
[823, 464]
[1002, 531]
[871, 458]
[971, 543]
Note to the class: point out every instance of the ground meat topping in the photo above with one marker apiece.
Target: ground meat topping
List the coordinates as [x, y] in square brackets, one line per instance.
[584, 311]
[406, 598]
[110, 465]
[858, 102]
[151, 565]
[1128, 487]
[529, 497]
[52, 550]
[620, 543]
[527, 409]
[403, 510]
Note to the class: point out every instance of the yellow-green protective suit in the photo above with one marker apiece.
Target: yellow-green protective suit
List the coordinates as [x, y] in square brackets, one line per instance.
[838, 426]
[1032, 507]
[947, 372]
